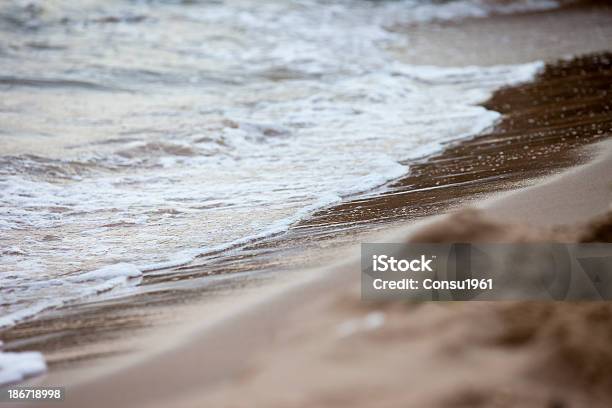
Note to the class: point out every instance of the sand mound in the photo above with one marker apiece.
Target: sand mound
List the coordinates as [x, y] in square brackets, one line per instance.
[471, 225]
[570, 341]
[598, 230]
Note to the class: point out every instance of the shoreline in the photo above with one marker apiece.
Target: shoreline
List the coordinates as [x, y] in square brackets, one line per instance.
[534, 138]
[305, 236]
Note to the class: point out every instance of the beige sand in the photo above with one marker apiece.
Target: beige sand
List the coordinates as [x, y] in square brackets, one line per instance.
[316, 344]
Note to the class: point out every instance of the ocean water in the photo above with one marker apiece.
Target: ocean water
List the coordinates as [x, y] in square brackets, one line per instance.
[136, 135]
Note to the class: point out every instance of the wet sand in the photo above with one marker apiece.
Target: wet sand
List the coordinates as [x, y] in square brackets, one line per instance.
[544, 123]
[537, 124]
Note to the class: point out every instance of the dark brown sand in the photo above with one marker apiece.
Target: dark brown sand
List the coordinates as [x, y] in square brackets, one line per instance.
[545, 120]
[569, 106]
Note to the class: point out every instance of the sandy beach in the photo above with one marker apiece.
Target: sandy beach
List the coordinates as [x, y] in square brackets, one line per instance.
[330, 348]
[281, 322]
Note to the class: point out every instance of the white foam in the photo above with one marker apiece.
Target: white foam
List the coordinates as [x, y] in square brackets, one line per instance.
[15, 367]
[182, 258]
[74, 288]
[455, 10]
[10, 319]
[496, 75]
[120, 270]
[371, 321]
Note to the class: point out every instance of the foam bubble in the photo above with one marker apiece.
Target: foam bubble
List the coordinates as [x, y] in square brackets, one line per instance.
[120, 270]
[15, 367]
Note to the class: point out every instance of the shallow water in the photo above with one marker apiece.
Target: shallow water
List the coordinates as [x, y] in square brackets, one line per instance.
[136, 135]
